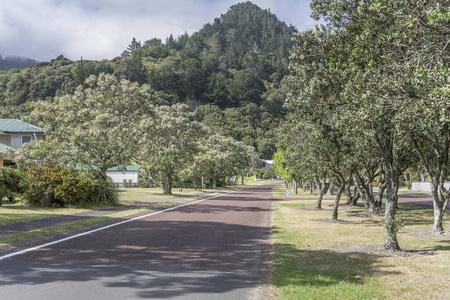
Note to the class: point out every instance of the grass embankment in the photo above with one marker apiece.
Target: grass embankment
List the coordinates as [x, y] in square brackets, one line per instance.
[316, 258]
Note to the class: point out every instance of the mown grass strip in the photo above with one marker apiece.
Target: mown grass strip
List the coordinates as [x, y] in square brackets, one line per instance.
[316, 258]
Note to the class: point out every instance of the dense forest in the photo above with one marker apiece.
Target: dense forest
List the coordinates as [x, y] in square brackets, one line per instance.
[230, 72]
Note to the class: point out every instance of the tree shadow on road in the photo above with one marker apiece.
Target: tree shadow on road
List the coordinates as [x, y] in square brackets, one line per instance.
[162, 259]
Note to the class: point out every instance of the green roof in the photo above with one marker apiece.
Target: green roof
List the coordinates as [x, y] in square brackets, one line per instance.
[17, 126]
[129, 168]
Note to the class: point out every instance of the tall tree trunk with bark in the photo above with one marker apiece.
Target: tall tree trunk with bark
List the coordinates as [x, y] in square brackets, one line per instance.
[336, 202]
[295, 188]
[168, 185]
[321, 185]
[379, 198]
[392, 172]
[437, 167]
[330, 191]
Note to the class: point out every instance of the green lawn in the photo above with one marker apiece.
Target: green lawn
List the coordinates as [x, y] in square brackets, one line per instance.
[316, 258]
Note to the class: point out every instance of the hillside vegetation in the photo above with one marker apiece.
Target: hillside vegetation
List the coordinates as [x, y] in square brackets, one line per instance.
[230, 72]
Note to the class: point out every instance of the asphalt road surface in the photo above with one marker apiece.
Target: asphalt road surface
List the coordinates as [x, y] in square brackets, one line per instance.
[215, 249]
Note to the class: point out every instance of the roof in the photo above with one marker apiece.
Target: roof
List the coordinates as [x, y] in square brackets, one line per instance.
[129, 168]
[269, 161]
[17, 126]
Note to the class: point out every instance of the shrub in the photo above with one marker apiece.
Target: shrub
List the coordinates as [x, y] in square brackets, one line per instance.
[416, 178]
[69, 187]
[12, 182]
[104, 190]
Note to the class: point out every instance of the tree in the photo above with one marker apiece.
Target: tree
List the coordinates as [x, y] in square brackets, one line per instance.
[93, 127]
[221, 157]
[167, 142]
[342, 78]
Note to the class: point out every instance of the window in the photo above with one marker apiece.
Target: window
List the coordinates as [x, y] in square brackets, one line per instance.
[19, 140]
[26, 139]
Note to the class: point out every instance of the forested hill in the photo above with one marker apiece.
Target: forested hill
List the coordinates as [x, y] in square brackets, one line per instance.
[12, 62]
[229, 72]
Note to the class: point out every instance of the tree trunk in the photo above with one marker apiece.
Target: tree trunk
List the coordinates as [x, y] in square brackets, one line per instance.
[203, 183]
[336, 202]
[360, 191]
[242, 179]
[438, 205]
[295, 188]
[194, 184]
[438, 215]
[330, 191]
[390, 241]
[348, 192]
[365, 189]
[214, 182]
[168, 186]
[320, 191]
[379, 199]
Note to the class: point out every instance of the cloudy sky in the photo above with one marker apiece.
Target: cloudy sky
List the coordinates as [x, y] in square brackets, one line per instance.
[102, 29]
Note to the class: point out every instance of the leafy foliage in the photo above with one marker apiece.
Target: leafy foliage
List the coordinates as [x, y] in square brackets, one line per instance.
[238, 59]
[93, 118]
[69, 187]
[12, 182]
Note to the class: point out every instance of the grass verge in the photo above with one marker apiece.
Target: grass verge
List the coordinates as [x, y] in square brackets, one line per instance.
[316, 258]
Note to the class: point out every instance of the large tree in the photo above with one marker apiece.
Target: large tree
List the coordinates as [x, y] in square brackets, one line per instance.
[221, 157]
[94, 126]
[167, 143]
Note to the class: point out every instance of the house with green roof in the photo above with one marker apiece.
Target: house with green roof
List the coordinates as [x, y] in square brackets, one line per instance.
[13, 134]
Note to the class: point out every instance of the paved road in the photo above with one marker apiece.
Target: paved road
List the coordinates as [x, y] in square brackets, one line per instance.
[215, 249]
[425, 200]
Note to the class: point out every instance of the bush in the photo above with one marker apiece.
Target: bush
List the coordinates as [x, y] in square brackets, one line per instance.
[104, 190]
[12, 182]
[69, 187]
[416, 179]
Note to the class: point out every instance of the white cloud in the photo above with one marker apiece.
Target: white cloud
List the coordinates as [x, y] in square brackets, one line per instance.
[98, 29]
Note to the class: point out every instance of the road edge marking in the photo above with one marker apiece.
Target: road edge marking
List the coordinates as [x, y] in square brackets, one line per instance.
[6, 256]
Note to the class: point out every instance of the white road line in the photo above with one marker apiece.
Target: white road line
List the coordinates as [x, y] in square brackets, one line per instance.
[106, 227]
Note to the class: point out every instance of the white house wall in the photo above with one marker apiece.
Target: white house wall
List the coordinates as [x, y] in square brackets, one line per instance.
[120, 176]
[424, 186]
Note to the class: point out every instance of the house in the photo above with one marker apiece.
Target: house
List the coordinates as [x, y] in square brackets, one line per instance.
[13, 134]
[266, 164]
[130, 174]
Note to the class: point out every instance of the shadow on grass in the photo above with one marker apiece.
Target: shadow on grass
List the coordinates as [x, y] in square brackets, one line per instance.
[412, 216]
[319, 274]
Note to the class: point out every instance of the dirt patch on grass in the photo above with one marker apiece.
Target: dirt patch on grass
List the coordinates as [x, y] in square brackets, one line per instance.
[378, 250]
[427, 234]
[334, 221]
[313, 209]
[362, 214]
